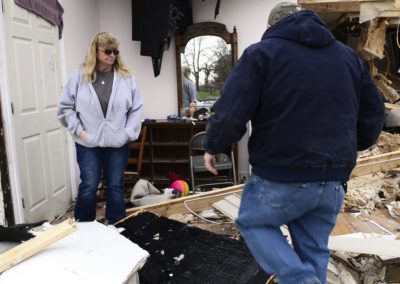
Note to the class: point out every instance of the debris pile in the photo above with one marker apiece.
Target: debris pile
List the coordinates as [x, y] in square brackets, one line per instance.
[366, 195]
[379, 189]
[387, 142]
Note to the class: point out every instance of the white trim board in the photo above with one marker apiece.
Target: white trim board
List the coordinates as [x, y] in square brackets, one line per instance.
[229, 206]
[358, 243]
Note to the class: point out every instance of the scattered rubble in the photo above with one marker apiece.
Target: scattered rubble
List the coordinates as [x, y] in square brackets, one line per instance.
[377, 190]
[387, 142]
[394, 209]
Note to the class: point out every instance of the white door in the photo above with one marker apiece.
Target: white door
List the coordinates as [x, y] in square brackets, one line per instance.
[34, 79]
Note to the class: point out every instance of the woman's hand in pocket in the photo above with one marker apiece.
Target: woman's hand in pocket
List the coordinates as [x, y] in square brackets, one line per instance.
[83, 135]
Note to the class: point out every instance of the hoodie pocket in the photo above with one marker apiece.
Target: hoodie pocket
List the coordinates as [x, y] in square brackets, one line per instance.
[116, 137]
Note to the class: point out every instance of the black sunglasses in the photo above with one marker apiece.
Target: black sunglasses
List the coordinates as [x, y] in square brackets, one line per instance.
[109, 51]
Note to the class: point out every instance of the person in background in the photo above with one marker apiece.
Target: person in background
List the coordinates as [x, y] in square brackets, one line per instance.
[101, 106]
[189, 92]
[312, 105]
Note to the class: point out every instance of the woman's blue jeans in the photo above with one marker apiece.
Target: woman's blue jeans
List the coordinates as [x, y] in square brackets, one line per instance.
[93, 162]
[308, 209]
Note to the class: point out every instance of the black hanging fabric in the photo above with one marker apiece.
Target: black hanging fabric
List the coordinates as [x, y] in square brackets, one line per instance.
[137, 19]
[153, 26]
[217, 9]
[152, 23]
[180, 16]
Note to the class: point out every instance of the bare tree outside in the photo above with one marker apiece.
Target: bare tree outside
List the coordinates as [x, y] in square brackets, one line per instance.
[209, 58]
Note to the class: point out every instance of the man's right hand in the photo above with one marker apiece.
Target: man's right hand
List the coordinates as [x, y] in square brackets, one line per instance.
[209, 161]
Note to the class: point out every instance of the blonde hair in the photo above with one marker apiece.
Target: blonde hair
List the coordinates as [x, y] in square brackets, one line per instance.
[102, 39]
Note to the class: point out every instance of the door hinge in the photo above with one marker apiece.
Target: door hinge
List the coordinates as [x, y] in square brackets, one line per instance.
[23, 203]
[12, 108]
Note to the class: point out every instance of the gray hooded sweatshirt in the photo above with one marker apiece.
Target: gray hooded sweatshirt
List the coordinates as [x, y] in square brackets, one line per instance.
[79, 109]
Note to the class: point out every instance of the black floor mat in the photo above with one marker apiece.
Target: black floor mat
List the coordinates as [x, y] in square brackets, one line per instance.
[183, 254]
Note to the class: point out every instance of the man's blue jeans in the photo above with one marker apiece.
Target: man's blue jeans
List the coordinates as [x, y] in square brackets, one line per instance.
[308, 209]
[92, 163]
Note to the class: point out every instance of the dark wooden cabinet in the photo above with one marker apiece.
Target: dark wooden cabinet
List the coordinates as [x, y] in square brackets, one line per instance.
[167, 150]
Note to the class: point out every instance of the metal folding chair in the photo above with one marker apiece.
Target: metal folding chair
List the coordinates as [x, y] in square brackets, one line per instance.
[225, 164]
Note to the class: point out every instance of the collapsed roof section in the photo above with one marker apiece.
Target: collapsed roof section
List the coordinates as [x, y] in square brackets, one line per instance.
[365, 10]
[370, 28]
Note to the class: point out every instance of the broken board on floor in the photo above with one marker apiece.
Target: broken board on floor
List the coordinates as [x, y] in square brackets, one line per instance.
[229, 206]
[94, 253]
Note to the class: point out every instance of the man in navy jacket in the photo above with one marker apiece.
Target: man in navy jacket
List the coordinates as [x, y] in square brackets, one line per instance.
[312, 105]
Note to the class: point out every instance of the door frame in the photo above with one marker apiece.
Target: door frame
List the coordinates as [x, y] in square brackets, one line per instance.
[8, 217]
[8, 126]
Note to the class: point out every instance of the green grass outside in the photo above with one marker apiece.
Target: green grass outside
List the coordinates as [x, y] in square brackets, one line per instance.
[207, 95]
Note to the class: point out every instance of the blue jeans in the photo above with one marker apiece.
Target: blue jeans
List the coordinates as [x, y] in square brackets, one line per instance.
[308, 209]
[93, 162]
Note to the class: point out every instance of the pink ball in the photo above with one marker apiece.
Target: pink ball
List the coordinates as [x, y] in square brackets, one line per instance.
[182, 186]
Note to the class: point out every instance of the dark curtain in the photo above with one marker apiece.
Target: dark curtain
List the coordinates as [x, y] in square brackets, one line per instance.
[50, 10]
[152, 23]
[181, 16]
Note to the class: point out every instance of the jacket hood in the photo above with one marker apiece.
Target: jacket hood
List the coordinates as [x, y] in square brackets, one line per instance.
[304, 27]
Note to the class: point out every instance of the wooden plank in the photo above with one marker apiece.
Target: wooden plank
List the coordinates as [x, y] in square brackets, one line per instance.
[378, 158]
[391, 13]
[376, 163]
[375, 167]
[346, 223]
[36, 244]
[346, 6]
[334, 7]
[197, 202]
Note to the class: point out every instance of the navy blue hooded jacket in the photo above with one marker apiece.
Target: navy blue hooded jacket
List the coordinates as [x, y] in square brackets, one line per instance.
[310, 99]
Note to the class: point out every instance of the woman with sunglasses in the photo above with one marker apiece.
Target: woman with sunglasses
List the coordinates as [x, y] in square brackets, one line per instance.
[101, 106]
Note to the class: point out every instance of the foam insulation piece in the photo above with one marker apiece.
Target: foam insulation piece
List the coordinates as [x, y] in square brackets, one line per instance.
[94, 253]
[385, 245]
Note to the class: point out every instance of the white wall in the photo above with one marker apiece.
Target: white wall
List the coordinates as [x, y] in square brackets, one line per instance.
[81, 23]
[159, 93]
[249, 17]
[82, 19]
